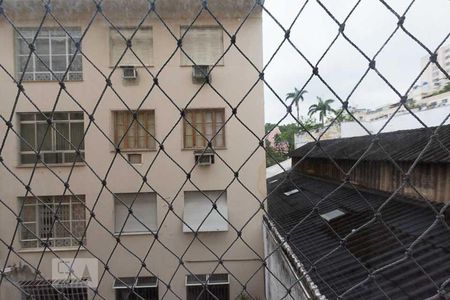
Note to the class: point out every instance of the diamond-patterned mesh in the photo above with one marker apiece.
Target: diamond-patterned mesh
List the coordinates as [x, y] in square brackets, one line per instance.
[58, 225]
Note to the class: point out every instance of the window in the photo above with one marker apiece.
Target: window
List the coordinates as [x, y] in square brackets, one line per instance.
[130, 134]
[55, 48]
[197, 208]
[38, 217]
[204, 46]
[141, 43]
[55, 146]
[144, 212]
[52, 289]
[208, 287]
[144, 288]
[208, 122]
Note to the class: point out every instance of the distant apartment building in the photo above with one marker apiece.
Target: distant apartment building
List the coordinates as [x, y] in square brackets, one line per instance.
[418, 104]
[433, 80]
[432, 114]
[118, 151]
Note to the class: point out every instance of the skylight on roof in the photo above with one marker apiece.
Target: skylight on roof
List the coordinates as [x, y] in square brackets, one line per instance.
[291, 192]
[331, 215]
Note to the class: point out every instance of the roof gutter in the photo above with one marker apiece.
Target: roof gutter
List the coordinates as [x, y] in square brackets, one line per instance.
[310, 289]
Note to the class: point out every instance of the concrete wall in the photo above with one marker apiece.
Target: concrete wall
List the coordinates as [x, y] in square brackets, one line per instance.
[164, 176]
[281, 276]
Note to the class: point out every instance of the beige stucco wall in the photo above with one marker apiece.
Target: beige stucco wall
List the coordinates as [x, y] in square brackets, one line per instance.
[233, 80]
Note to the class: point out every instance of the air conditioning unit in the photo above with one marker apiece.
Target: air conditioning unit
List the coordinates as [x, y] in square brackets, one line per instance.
[129, 72]
[204, 158]
[200, 74]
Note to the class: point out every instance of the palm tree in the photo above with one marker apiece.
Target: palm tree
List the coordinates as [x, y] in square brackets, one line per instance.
[296, 96]
[322, 107]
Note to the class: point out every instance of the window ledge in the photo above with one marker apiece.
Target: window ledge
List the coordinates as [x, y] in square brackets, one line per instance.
[191, 65]
[135, 150]
[40, 165]
[135, 66]
[133, 233]
[55, 249]
[44, 81]
[187, 230]
[198, 149]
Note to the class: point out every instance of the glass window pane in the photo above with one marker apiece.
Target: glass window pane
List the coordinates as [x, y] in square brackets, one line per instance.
[42, 63]
[44, 136]
[27, 133]
[60, 116]
[78, 228]
[78, 211]
[21, 63]
[42, 46]
[28, 231]
[76, 116]
[27, 158]
[76, 63]
[77, 134]
[58, 45]
[53, 158]
[62, 229]
[62, 135]
[59, 63]
[22, 46]
[29, 213]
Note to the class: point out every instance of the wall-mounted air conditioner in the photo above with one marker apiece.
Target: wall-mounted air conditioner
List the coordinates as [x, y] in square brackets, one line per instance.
[129, 72]
[204, 158]
[200, 74]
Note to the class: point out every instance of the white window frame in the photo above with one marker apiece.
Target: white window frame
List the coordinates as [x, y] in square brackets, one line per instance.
[207, 280]
[137, 63]
[28, 33]
[53, 206]
[53, 134]
[214, 222]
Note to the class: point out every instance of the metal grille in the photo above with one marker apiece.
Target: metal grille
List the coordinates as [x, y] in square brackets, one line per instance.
[304, 272]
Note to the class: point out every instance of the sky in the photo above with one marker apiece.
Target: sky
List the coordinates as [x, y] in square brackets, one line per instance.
[369, 26]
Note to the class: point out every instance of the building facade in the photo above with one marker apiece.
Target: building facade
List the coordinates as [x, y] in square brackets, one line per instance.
[433, 80]
[123, 157]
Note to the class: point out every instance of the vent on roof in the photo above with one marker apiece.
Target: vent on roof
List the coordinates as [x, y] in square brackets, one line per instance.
[273, 181]
[291, 192]
[331, 215]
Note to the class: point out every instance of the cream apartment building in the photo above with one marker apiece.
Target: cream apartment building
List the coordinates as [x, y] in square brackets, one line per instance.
[161, 248]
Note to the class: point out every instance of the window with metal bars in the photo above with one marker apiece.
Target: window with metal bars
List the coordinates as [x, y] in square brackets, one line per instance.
[207, 287]
[132, 288]
[39, 223]
[55, 51]
[202, 126]
[49, 292]
[52, 142]
[135, 134]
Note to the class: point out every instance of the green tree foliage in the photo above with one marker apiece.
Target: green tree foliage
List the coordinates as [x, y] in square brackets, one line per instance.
[287, 134]
[323, 107]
